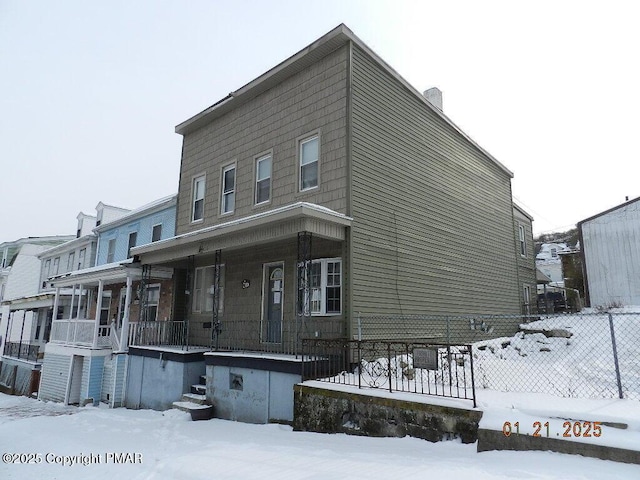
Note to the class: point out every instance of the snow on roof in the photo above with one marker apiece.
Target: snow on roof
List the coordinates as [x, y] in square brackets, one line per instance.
[99, 268]
[137, 212]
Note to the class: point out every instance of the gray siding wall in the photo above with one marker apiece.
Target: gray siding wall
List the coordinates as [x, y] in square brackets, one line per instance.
[433, 222]
[526, 264]
[312, 100]
[55, 374]
[242, 311]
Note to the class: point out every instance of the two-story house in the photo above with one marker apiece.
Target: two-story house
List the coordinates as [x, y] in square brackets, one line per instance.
[86, 357]
[325, 189]
[526, 259]
[22, 327]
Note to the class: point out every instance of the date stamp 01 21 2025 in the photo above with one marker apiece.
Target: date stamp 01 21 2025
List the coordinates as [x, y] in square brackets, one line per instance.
[543, 429]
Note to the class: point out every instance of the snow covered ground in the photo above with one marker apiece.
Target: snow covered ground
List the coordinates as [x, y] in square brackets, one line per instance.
[170, 446]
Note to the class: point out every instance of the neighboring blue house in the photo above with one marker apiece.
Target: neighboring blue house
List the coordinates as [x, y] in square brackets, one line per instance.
[86, 359]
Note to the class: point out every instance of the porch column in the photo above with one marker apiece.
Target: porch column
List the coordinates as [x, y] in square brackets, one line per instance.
[124, 334]
[215, 321]
[24, 319]
[73, 293]
[56, 300]
[79, 301]
[98, 309]
[303, 303]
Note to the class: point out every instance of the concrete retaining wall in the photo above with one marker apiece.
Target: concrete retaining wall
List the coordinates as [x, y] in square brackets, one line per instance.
[331, 411]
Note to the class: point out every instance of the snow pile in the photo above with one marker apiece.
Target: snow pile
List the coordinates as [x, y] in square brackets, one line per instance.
[567, 356]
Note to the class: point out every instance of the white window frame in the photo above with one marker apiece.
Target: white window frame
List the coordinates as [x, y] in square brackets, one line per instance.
[301, 142]
[153, 230]
[70, 261]
[81, 258]
[111, 250]
[135, 241]
[153, 286]
[56, 265]
[322, 311]
[523, 240]
[230, 193]
[258, 160]
[526, 294]
[194, 199]
[199, 304]
[47, 268]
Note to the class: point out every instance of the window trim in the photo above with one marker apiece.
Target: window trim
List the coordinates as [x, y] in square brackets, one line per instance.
[323, 287]
[224, 169]
[256, 160]
[47, 268]
[82, 255]
[194, 179]
[111, 241]
[523, 240]
[135, 240]
[299, 142]
[200, 310]
[70, 261]
[152, 231]
[157, 305]
[56, 266]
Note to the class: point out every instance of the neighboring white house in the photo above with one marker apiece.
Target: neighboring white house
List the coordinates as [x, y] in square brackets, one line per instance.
[611, 255]
[19, 322]
[548, 261]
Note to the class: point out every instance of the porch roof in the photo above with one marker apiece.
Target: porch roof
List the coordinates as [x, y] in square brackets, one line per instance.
[272, 225]
[109, 273]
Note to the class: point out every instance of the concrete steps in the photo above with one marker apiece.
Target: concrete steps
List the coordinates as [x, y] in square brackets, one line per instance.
[195, 402]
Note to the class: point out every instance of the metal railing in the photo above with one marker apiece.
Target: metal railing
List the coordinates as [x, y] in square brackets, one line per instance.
[80, 332]
[587, 355]
[284, 338]
[21, 351]
[166, 333]
[402, 366]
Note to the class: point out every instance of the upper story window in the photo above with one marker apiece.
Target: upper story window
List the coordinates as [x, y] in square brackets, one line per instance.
[133, 237]
[228, 200]
[83, 253]
[554, 253]
[156, 234]
[263, 179]
[308, 153]
[47, 268]
[324, 279]
[111, 250]
[56, 265]
[523, 242]
[71, 261]
[197, 207]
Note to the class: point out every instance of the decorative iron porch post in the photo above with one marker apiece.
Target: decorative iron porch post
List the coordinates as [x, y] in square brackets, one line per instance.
[216, 326]
[144, 300]
[303, 307]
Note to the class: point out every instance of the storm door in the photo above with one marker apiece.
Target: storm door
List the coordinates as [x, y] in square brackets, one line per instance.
[273, 300]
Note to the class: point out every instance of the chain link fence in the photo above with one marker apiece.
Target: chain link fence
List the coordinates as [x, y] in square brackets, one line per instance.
[595, 355]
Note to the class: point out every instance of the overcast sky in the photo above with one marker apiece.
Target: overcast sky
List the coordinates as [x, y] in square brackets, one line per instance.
[90, 92]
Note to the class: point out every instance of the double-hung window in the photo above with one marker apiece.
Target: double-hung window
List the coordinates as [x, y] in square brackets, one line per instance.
[263, 179]
[197, 207]
[83, 253]
[153, 299]
[308, 153]
[156, 234]
[523, 243]
[71, 261]
[324, 279]
[111, 250]
[56, 265]
[133, 238]
[204, 289]
[228, 199]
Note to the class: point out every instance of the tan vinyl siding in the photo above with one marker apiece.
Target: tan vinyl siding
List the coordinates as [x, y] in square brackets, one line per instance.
[313, 100]
[526, 264]
[433, 222]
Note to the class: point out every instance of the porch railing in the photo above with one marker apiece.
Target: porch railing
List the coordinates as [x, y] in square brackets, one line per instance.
[21, 351]
[167, 333]
[80, 332]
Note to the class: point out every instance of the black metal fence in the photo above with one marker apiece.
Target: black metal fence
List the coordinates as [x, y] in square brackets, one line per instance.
[21, 351]
[588, 355]
[402, 366]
